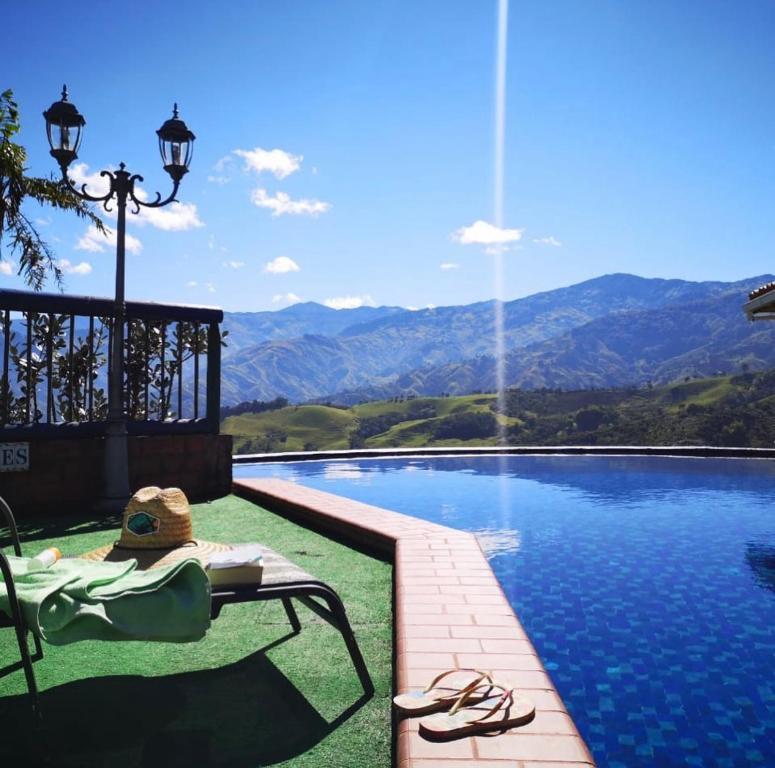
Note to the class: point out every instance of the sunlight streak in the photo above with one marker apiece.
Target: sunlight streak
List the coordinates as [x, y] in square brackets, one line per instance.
[500, 129]
[500, 351]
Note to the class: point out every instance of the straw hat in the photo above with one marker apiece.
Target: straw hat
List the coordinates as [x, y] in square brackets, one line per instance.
[156, 530]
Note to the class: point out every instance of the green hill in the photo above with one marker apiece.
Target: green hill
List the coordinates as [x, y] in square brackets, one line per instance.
[720, 410]
[296, 428]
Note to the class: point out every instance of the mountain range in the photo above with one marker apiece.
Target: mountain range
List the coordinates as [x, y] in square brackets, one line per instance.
[614, 330]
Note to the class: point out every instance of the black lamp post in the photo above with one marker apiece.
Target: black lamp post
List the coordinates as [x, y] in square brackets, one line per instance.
[64, 125]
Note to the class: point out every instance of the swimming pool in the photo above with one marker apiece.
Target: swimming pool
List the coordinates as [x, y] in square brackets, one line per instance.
[646, 584]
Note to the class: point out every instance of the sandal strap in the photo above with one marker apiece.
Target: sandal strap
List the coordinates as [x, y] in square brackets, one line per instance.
[465, 696]
[480, 677]
[506, 696]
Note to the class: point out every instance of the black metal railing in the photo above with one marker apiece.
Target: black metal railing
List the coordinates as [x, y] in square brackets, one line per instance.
[56, 362]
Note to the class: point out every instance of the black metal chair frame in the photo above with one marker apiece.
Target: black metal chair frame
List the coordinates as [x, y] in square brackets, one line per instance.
[16, 620]
[309, 592]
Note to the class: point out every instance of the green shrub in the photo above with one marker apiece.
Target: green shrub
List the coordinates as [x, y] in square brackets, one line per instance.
[466, 426]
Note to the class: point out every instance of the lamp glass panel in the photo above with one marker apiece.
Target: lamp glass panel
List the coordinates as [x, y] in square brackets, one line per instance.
[67, 137]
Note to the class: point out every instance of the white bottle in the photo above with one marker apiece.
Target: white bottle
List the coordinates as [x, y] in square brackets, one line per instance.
[44, 560]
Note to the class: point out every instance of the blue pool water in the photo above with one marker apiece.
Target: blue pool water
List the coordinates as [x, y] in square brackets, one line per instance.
[646, 584]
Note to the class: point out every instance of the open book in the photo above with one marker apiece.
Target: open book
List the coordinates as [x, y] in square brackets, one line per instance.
[242, 564]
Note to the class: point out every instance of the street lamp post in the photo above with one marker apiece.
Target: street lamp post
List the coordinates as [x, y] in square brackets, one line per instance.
[64, 125]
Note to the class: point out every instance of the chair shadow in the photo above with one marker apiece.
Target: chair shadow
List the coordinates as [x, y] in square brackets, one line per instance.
[242, 714]
[67, 524]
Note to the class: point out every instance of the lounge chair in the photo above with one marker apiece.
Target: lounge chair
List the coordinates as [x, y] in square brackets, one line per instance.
[281, 580]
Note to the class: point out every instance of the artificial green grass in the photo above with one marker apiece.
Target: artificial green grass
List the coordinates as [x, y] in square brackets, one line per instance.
[248, 694]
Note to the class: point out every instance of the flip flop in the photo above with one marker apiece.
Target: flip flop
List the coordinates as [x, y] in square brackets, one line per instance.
[459, 682]
[495, 713]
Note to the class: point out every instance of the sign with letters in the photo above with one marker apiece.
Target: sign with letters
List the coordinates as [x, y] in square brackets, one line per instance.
[14, 457]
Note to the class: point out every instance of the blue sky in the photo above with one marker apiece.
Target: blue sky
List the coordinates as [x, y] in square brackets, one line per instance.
[640, 137]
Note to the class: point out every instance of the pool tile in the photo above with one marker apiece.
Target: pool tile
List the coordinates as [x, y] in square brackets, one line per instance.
[445, 619]
[414, 631]
[477, 608]
[453, 645]
[496, 620]
[527, 662]
[430, 660]
[508, 645]
[496, 633]
[522, 746]
[421, 607]
[489, 598]
[418, 747]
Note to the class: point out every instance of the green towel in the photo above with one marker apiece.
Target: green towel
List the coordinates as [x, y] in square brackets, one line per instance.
[85, 600]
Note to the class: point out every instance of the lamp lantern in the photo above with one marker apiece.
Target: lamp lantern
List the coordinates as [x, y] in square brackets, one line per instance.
[176, 145]
[63, 128]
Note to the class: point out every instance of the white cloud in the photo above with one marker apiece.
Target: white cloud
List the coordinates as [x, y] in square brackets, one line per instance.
[223, 164]
[350, 302]
[222, 169]
[95, 242]
[446, 265]
[286, 298]
[209, 287]
[95, 184]
[82, 268]
[234, 264]
[43, 222]
[484, 233]
[281, 203]
[275, 161]
[173, 217]
[550, 240]
[177, 217]
[6, 268]
[282, 264]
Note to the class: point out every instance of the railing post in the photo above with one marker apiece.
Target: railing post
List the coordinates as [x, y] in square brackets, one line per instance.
[5, 417]
[214, 378]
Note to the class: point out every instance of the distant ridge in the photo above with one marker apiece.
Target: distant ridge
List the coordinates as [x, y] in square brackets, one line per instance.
[614, 330]
[251, 328]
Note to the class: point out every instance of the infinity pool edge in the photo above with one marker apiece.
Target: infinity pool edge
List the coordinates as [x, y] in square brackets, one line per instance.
[450, 611]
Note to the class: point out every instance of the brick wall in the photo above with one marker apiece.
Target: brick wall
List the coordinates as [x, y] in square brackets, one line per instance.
[67, 473]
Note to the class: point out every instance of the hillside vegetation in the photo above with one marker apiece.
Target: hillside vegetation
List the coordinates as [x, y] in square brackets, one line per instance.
[720, 410]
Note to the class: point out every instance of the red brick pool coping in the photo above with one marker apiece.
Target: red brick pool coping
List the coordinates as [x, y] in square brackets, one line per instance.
[450, 611]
